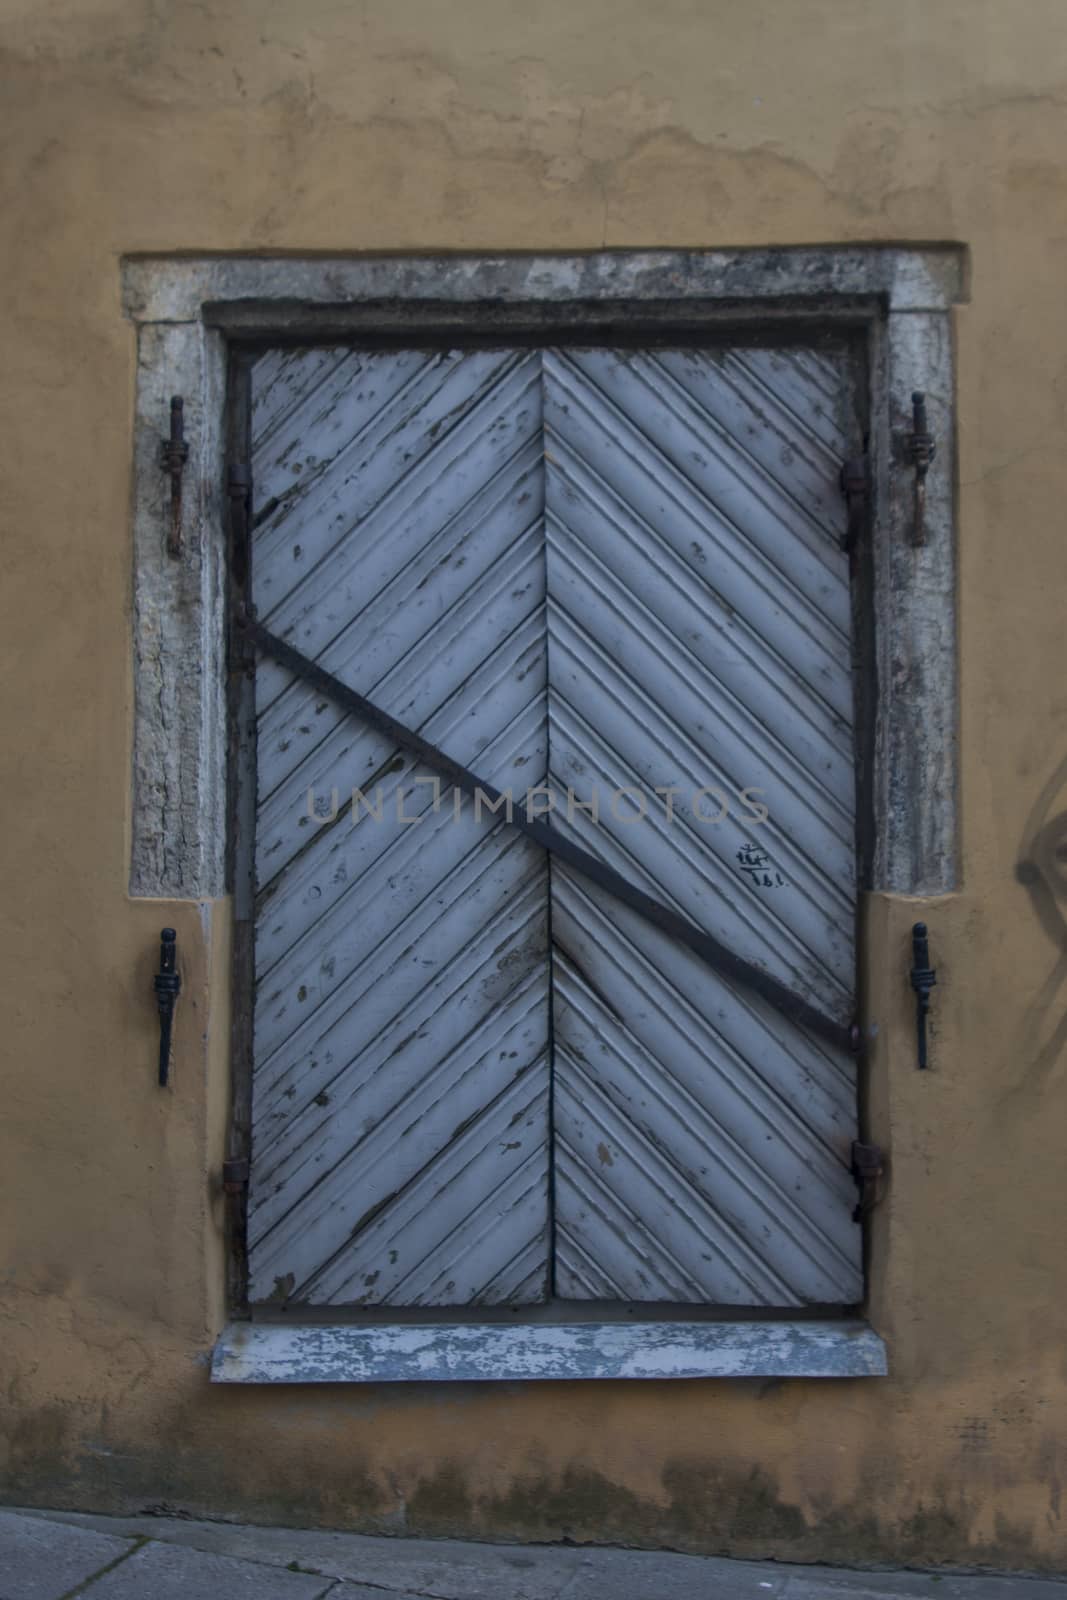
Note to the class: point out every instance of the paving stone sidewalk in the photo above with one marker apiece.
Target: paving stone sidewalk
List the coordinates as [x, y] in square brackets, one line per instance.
[56, 1555]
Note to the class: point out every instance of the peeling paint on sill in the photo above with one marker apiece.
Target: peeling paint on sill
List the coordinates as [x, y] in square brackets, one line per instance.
[458, 1352]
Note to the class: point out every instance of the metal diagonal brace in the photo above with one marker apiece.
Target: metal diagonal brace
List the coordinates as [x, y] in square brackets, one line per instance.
[717, 956]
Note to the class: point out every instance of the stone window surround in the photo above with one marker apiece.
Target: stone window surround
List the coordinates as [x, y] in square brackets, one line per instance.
[186, 309]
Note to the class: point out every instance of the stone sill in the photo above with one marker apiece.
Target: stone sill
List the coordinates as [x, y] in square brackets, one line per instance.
[250, 1352]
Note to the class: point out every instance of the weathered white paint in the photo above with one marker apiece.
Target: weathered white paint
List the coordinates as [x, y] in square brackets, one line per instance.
[460, 1352]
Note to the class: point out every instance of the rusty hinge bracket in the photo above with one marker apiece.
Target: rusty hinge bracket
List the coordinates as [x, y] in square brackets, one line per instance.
[239, 490]
[868, 1165]
[855, 486]
[235, 1176]
[173, 454]
[921, 447]
[239, 494]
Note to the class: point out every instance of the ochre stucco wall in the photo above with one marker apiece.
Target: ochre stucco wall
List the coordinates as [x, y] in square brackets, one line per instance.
[134, 125]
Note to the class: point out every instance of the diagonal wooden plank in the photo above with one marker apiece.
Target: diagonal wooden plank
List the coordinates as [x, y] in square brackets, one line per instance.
[401, 1006]
[725, 531]
[648, 1079]
[699, 635]
[398, 1188]
[727, 648]
[645, 742]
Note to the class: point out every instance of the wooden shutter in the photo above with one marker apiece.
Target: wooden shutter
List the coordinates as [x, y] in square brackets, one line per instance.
[401, 1073]
[699, 638]
[617, 571]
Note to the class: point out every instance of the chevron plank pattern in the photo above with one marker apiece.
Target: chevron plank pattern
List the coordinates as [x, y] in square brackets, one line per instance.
[699, 637]
[479, 1080]
[401, 1072]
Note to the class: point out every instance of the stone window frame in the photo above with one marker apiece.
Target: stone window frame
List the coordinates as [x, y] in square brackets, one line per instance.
[188, 309]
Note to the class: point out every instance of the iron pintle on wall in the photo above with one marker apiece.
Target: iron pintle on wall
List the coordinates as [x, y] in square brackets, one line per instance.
[167, 984]
[922, 448]
[174, 453]
[923, 978]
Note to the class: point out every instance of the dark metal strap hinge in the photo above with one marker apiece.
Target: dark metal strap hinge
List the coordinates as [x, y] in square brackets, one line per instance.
[239, 494]
[868, 1165]
[235, 1175]
[855, 486]
[239, 487]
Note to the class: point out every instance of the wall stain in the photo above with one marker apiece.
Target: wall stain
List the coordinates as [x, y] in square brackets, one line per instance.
[703, 1506]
